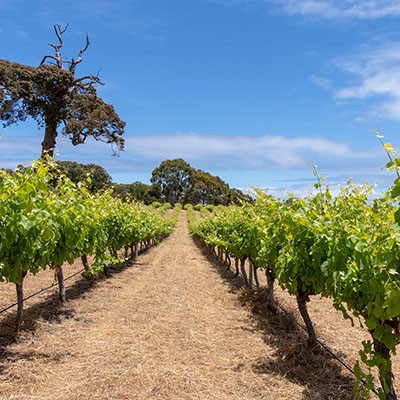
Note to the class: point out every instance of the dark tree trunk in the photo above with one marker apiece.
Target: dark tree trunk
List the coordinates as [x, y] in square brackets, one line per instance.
[20, 307]
[61, 286]
[50, 136]
[385, 376]
[132, 250]
[251, 273]
[302, 299]
[228, 261]
[220, 255]
[85, 262]
[270, 291]
[256, 277]
[113, 252]
[236, 266]
[20, 303]
[243, 271]
[86, 266]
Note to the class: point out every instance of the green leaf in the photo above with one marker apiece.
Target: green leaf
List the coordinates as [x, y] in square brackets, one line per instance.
[395, 192]
[393, 304]
[357, 371]
[371, 322]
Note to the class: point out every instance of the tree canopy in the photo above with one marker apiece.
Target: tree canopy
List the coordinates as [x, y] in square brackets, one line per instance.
[136, 190]
[96, 177]
[176, 181]
[53, 96]
[172, 180]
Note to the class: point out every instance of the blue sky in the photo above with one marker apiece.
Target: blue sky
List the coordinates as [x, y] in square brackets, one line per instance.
[250, 90]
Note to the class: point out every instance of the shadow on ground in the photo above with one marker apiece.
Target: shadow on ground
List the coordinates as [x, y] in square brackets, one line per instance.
[313, 368]
[48, 309]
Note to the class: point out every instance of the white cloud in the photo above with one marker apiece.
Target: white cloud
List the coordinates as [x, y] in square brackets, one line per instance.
[241, 152]
[342, 9]
[328, 9]
[222, 151]
[325, 83]
[16, 149]
[375, 74]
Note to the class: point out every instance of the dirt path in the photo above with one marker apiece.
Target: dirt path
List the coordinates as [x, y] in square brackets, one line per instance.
[168, 327]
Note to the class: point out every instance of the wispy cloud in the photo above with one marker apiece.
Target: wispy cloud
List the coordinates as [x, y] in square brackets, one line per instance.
[127, 16]
[20, 144]
[325, 83]
[308, 189]
[251, 160]
[18, 150]
[375, 74]
[328, 9]
[242, 152]
[339, 9]
[216, 151]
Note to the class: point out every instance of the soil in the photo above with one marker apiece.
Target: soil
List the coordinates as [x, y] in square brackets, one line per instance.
[172, 324]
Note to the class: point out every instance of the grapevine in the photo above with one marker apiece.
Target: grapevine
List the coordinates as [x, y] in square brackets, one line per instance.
[47, 220]
[340, 247]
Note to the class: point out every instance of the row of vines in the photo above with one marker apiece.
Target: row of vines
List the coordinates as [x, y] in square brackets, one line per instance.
[341, 247]
[46, 220]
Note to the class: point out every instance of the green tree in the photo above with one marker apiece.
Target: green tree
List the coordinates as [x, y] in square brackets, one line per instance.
[172, 180]
[54, 97]
[208, 189]
[136, 190]
[99, 178]
[176, 181]
[236, 196]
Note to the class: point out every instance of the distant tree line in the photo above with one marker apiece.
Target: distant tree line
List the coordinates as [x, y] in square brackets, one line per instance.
[173, 181]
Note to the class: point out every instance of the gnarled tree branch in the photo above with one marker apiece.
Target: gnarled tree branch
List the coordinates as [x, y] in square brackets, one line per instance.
[90, 78]
[74, 63]
[58, 57]
[46, 57]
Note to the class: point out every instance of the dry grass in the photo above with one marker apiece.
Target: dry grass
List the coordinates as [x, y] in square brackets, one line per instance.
[170, 326]
[342, 336]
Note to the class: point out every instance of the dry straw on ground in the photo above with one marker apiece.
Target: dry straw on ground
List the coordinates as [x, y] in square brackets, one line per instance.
[169, 326]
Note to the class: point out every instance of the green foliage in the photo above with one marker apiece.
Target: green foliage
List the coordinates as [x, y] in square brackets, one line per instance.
[46, 219]
[156, 204]
[172, 180]
[176, 181]
[95, 176]
[208, 189]
[340, 247]
[134, 191]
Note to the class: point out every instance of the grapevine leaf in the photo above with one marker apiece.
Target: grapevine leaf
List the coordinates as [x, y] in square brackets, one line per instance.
[393, 304]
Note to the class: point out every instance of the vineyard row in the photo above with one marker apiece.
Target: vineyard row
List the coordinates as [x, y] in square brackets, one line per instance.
[340, 247]
[46, 220]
